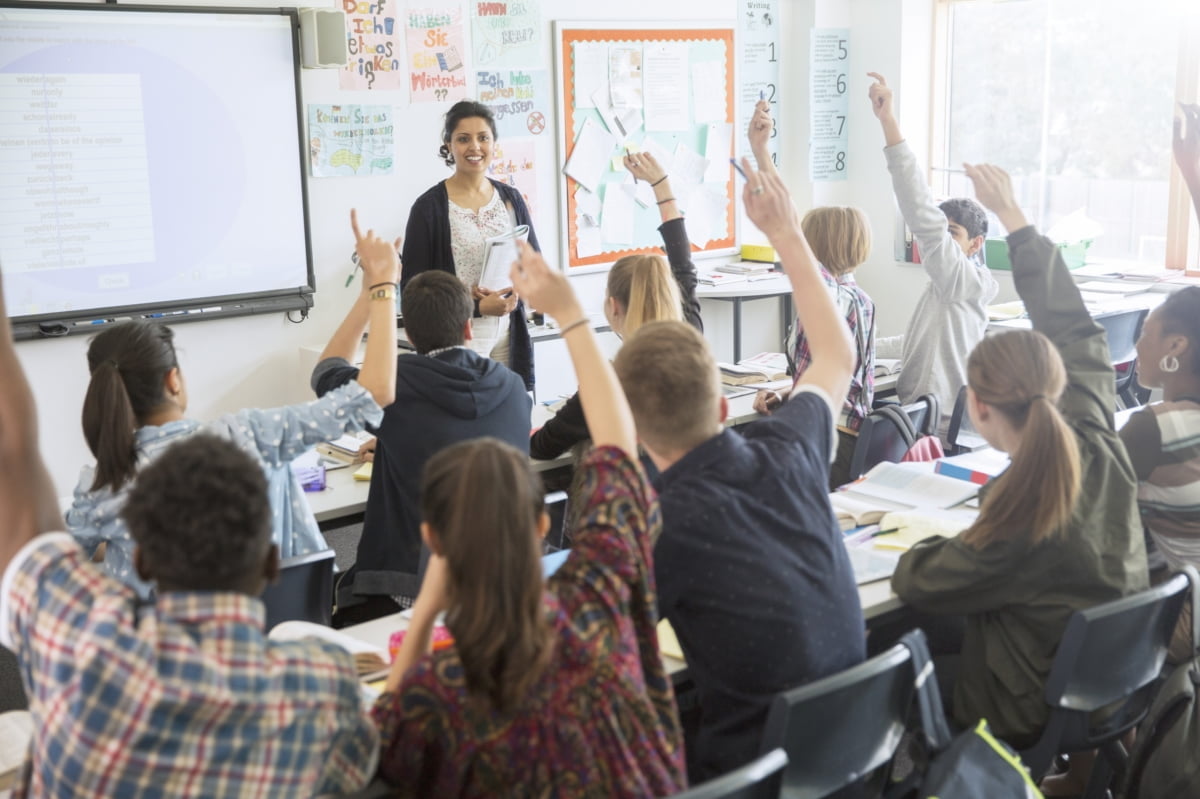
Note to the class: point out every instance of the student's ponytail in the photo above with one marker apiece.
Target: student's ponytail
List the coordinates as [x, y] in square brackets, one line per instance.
[644, 285]
[1020, 375]
[129, 365]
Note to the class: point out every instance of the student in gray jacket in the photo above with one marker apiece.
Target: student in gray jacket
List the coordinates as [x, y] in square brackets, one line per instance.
[951, 315]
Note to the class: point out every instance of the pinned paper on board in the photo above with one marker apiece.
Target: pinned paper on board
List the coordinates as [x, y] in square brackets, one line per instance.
[641, 191]
[514, 162]
[718, 147]
[589, 157]
[616, 215]
[591, 72]
[625, 77]
[666, 104]
[708, 105]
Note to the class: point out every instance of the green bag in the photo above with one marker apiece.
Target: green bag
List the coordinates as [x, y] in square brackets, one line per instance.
[972, 765]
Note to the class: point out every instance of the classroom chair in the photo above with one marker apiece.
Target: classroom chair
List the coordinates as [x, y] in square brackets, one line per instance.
[556, 508]
[303, 590]
[758, 779]
[960, 434]
[1110, 655]
[869, 704]
[1122, 331]
[889, 431]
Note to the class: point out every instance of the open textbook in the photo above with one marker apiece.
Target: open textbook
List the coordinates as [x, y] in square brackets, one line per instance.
[891, 487]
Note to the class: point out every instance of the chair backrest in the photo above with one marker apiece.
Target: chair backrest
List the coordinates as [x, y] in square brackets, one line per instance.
[924, 413]
[869, 704]
[1122, 330]
[1110, 651]
[758, 779]
[886, 434]
[304, 590]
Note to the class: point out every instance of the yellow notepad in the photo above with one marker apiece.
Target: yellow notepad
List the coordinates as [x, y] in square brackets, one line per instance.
[363, 473]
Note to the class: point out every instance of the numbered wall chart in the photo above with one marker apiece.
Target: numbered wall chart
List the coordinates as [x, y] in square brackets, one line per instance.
[828, 104]
[758, 38]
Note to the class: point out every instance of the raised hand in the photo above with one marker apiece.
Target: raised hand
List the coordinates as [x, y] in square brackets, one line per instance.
[881, 97]
[1186, 143]
[994, 190]
[761, 125]
[768, 204]
[645, 167]
[377, 257]
[546, 289]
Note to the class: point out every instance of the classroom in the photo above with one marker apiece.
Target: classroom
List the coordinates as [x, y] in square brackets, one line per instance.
[791, 327]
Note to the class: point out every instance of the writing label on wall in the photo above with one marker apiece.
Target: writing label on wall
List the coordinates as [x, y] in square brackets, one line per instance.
[519, 99]
[373, 41]
[758, 75]
[505, 33]
[436, 48]
[829, 103]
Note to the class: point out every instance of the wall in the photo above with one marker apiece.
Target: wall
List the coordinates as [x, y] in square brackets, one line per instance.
[255, 361]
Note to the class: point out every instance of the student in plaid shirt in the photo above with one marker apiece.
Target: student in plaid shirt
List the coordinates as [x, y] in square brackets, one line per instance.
[185, 696]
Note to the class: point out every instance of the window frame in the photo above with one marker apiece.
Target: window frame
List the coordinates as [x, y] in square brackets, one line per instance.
[1183, 235]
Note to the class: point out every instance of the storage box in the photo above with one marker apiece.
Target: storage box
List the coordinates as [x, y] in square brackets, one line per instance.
[996, 253]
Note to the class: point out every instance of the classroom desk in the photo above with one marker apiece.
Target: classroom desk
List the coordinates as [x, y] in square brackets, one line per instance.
[1146, 299]
[775, 285]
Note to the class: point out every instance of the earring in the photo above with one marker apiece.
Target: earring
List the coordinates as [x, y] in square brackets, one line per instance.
[1169, 364]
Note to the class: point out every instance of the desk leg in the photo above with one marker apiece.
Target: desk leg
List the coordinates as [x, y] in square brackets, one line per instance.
[785, 319]
[737, 329]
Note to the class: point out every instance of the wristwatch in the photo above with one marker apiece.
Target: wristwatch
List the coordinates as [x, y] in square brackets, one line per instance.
[383, 293]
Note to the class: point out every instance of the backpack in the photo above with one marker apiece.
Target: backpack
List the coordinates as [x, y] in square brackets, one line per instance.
[1165, 761]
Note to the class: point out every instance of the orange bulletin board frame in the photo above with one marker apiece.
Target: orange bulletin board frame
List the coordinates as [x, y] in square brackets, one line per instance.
[566, 35]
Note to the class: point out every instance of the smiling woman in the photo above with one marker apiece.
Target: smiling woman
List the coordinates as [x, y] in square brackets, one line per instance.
[449, 225]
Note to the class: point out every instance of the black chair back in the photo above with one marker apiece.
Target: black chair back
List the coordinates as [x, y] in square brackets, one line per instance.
[843, 727]
[886, 434]
[304, 590]
[1109, 657]
[758, 779]
[1122, 331]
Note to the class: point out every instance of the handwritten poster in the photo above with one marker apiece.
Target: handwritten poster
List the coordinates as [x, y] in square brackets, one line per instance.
[519, 98]
[505, 33]
[758, 75]
[373, 35]
[829, 104]
[436, 48]
[350, 140]
[514, 162]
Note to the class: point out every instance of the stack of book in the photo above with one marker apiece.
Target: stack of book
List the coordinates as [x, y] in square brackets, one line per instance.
[746, 268]
[762, 368]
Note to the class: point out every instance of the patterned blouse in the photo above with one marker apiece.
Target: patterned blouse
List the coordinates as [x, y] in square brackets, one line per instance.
[469, 232]
[601, 720]
[274, 437]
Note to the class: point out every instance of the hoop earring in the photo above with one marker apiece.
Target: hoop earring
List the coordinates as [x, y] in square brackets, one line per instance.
[1169, 364]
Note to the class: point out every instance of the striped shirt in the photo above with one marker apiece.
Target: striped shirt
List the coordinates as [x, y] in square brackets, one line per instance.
[1163, 441]
[184, 697]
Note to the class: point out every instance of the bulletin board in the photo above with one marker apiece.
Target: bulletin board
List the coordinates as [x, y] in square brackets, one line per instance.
[686, 80]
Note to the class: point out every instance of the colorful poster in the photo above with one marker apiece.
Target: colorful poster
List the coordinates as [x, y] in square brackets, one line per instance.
[758, 72]
[350, 140]
[373, 35]
[829, 104]
[519, 98]
[514, 163]
[436, 47]
[506, 33]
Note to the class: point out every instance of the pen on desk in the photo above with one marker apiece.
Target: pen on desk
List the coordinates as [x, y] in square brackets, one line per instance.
[878, 533]
[738, 167]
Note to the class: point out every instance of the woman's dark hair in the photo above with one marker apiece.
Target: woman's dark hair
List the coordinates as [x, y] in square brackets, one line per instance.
[463, 109]
[129, 364]
[1180, 316]
[483, 501]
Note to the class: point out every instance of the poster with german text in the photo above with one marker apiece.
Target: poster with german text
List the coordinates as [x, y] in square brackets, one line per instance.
[519, 99]
[436, 49]
[373, 38]
[505, 33]
[514, 162]
[350, 140]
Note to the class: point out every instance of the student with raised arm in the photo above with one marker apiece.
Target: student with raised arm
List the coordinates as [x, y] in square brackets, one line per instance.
[1186, 145]
[137, 400]
[1058, 531]
[950, 317]
[641, 289]
[552, 688]
[182, 696]
[841, 240]
[751, 569]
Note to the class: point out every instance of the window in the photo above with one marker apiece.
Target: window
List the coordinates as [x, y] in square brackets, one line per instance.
[1075, 98]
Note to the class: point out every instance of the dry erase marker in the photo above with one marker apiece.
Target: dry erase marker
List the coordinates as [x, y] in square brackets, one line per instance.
[738, 168]
[635, 174]
[761, 95]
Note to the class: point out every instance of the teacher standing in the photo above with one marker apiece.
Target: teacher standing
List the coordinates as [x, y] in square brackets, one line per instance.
[449, 225]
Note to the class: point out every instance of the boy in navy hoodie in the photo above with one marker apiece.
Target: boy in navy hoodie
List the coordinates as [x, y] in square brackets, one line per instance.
[445, 393]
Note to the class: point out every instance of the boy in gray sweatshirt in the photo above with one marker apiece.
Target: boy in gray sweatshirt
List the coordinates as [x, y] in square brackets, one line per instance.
[951, 314]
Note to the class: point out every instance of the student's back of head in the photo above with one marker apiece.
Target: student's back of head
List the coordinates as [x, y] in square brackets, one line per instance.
[129, 364]
[644, 290]
[1020, 375]
[436, 306]
[483, 507]
[674, 389]
[840, 237]
[201, 519]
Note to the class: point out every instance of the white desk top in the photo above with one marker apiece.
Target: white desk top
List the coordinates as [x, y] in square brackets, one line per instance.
[765, 286]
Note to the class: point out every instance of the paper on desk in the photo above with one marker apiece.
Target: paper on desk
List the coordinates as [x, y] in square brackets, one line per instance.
[913, 485]
[917, 525]
[589, 156]
[664, 80]
[591, 71]
[708, 92]
[616, 216]
[718, 139]
[625, 76]
[299, 630]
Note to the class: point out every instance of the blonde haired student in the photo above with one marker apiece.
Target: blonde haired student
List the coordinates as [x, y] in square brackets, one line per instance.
[1058, 530]
[552, 688]
[641, 289]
